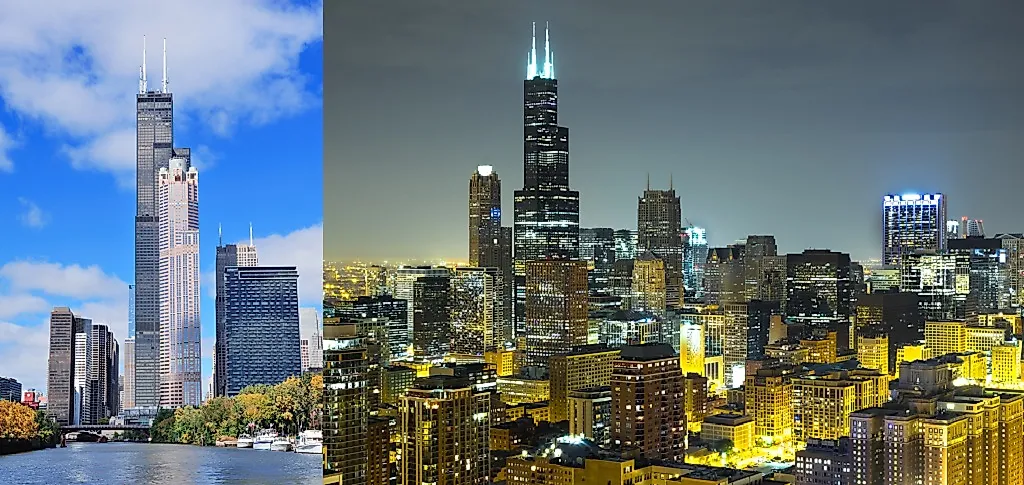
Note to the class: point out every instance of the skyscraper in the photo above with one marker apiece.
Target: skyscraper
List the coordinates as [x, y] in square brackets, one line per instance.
[432, 316]
[227, 255]
[485, 218]
[547, 211]
[649, 285]
[695, 257]
[404, 280]
[476, 310]
[647, 402]
[556, 308]
[345, 401]
[261, 326]
[312, 341]
[61, 366]
[818, 287]
[659, 228]
[128, 384]
[911, 222]
[102, 374]
[154, 149]
[597, 247]
[180, 326]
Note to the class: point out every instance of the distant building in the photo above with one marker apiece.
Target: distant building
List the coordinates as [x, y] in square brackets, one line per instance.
[819, 290]
[556, 308]
[695, 257]
[345, 402]
[647, 390]
[626, 242]
[128, 382]
[597, 247]
[227, 255]
[311, 344]
[912, 222]
[61, 366]
[659, 229]
[10, 389]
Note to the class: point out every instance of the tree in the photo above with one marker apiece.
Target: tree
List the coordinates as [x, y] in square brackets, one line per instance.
[48, 430]
[17, 421]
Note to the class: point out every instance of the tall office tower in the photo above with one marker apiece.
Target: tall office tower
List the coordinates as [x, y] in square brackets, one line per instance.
[445, 426]
[734, 348]
[597, 247]
[650, 288]
[942, 284]
[60, 378]
[380, 312]
[818, 287]
[83, 359]
[580, 369]
[695, 257]
[547, 211]
[227, 255]
[311, 340]
[476, 306]
[261, 326]
[759, 322]
[911, 222]
[180, 326]
[403, 281]
[971, 227]
[764, 271]
[508, 329]
[431, 302]
[952, 230]
[659, 231]
[989, 271]
[857, 279]
[1014, 246]
[626, 242]
[691, 348]
[485, 218]
[724, 275]
[647, 398]
[345, 404]
[769, 399]
[128, 383]
[154, 138]
[102, 374]
[556, 308]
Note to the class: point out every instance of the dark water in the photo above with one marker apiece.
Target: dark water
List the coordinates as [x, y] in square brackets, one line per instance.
[152, 464]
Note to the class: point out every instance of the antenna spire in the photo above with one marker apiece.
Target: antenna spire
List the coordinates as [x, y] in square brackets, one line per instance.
[220, 235]
[548, 67]
[670, 181]
[250, 235]
[163, 84]
[142, 70]
[531, 65]
[648, 181]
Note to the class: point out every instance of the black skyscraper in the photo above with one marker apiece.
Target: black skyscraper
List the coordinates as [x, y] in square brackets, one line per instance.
[547, 212]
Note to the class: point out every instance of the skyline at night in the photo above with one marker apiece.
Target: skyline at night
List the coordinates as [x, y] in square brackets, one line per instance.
[772, 104]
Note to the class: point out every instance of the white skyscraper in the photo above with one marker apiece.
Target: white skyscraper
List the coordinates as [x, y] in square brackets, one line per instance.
[312, 341]
[180, 329]
[247, 254]
[81, 385]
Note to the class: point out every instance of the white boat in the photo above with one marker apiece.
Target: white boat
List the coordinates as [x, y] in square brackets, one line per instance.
[264, 439]
[244, 441]
[310, 441]
[281, 444]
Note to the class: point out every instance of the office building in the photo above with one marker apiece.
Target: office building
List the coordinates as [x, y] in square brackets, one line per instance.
[694, 259]
[695, 399]
[431, 302]
[10, 389]
[769, 399]
[83, 360]
[822, 404]
[873, 351]
[989, 271]
[380, 468]
[261, 326]
[60, 378]
[734, 343]
[650, 294]
[943, 338]
[476, 310]
[1014, 246]
[624, 327]
[345, 404]
[547, 210]
[590, 414]
[445, 426]
[660, 231]
[724, 275]
[1006, 363]
[942, 284]
[380, 312]
[404, 279]
[556, 308]
[626, 242]
[128, 383]
[227, 255]
[818, 287]
[179, 296]
[597, 248]
[735, 428]
[647, 388]
[894, 314]
[912, 222]
[311, 342]
[764, 271]
[691, 347]
[485, 218]
[102, 375]
[584, 368]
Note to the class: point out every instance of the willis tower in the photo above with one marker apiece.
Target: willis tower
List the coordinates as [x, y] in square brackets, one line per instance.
[547, 212]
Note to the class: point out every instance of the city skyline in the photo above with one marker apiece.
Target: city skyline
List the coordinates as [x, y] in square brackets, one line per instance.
[729, 121]
[71, 238]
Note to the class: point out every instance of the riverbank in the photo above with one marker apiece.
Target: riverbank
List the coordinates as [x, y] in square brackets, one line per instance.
[10, 446]
[25, 429]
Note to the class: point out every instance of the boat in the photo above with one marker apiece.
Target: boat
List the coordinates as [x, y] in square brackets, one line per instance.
[244, 441]
[264, 439]
[281, 444]
[310, 441]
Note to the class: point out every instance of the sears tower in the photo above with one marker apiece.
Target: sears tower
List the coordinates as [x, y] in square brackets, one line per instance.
[547, 212]
[154, 148]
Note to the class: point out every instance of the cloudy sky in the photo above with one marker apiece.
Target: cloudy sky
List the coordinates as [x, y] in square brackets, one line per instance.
[246, 76]
[786, 118]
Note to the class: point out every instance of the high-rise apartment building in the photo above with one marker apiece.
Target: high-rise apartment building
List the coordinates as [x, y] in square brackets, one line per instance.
[769, 399]
[445, 427]
[227, 255]
[403, 281]
[83, 360]
[695, 256]
[912, 222]
[345, 404]
[102, 374]
[547, 211]
[476, 306]
[660, 231]
[61, 366]
[597, 247]
[261, 326]
[1014, 246]
[431, 302]
[822, 404]
[485, 218]
[179, 295]
[384, 312]
[647, 398]
[556, 308]
[735, 342]
[584, 368]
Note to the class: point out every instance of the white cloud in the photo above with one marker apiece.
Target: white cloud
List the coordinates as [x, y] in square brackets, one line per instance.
[32, 216]
[304, 249]
[24, 351]
[14, 305]
[73, 281]
[74, 66]
[6, 144]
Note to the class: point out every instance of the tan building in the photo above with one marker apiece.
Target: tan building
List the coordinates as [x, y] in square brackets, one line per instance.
[590, 414]
[820, 350]
[556, 308]
[1006, 363]
[516, 390]
[945, 337]
[737, 428]
[582, 369]
[910, 353]
[505, 362]
[647, 388]
[648, 293]
[1011, 320]
[769, 396]
[982, 339]
[822, 404]
[691, 348]
[873, 352]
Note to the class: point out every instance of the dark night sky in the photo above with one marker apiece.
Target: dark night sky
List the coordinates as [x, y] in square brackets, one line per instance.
[785, 118]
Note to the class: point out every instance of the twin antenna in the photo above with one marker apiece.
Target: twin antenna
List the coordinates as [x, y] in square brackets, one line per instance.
[143, 85]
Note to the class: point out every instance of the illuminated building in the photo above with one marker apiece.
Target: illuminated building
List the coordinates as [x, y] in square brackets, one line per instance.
[769, 396]
[764, 271]
[695, 257]
[822, 404]
[724, 275]
[714, 370]
[621, 281]
[824, 462]
[883, 280]
[818, 287]
[647, 389]
[590, 414]
[379, 312]
[630, 328]
[649, 285]
[988, 265]
[1014, 246]
[1012, 321]
[404, 280]
[982, 339]
[1006, 363]
[539, 411]
[942, 284]
[445, 427]
[659, 230]
[379, 468]
[345, 403]
[503, 360]
[547, 211]
[691, 348]
[760, 314]
[597, 247]
[945, 337]
[911, 353]
[787, 352]
[517, 390]
[431, 304]
[820, 350]
[737, 428]
[490, 245]
[396, 380]
[911, 222]
[695, 399]
[584, 368]
[476, 309]
[873, 351]
[893, 314]
[626, 242]
[975, 366]
[556, 308]
[734, 348]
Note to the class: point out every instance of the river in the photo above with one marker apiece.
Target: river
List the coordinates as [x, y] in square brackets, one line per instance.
[152, 464]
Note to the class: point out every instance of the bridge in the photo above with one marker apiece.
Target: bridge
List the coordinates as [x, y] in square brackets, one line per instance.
[103, 427]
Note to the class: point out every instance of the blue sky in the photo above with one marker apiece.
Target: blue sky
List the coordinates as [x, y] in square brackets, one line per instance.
[247, 82]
